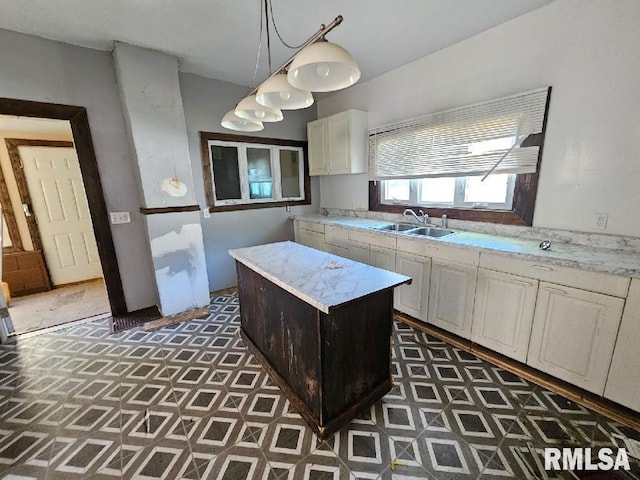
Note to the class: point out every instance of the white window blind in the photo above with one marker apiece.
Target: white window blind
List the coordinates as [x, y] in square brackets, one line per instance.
[463, 141]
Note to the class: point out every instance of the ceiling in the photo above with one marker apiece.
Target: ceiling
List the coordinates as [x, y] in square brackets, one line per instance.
[219, 38]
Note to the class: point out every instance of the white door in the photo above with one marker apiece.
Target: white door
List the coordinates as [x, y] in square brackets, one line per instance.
[451, 297]
[60, 206]
[573, 335]
[412, 299]
[503, 312]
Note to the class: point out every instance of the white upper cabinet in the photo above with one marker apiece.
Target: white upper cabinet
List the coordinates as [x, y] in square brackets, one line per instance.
[503, 312]
[451, 297]
[573, 335]
[338, 143]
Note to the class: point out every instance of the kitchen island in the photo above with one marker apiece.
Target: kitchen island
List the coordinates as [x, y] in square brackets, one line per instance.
[321, 327]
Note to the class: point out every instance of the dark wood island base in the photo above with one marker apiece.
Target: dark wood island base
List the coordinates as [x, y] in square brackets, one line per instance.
[331, 366]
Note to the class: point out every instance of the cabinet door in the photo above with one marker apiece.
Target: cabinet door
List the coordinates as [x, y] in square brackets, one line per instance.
[623, 382]
[384, 258]
[503, 313]
[412, 299]
[359, 252]
[451, 297]
[317, 137]
[339, 143]
[573, 335]
[337, 250]
[311, 239]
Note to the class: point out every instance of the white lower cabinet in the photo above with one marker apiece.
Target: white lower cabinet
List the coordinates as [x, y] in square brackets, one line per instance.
[503, 313]
[311, 239]
[573, 335]
[336, 250]
[623, 382]
[384, 258]
[412, 299]
[451, 297]
[359, 252]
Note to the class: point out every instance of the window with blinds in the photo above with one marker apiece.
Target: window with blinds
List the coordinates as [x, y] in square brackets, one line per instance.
[498, 136]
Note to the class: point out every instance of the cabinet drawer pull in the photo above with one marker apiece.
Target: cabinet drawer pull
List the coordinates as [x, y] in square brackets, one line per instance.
[542, 267]
[556, 290]
[524, 284]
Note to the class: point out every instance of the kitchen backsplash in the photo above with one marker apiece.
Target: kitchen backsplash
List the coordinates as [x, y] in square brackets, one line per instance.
[615, 242]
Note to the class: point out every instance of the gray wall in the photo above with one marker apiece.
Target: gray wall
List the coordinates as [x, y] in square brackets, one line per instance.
[205, 101]
[42, 70]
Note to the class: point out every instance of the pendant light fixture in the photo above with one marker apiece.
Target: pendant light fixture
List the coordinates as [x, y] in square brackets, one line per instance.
[233, 122]
[318, 66]
[323, 67]
[277, 92]
[249, 109]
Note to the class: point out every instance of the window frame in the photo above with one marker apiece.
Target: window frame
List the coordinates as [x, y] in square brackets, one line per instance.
[459, 193]
[243, 142]
[525, 191]
[521, 212]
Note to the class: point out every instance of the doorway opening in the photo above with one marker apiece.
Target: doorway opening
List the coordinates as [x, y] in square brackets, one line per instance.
[56, 235]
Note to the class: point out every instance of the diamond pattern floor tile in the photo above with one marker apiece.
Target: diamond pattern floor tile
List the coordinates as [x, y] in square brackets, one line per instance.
[189, 401]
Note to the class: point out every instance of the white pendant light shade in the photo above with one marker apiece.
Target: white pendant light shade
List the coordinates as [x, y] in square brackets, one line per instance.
[277, 92]
[249, 109]
[323, 67]
[234, 122]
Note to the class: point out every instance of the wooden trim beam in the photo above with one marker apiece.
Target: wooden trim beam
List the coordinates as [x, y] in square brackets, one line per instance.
[158, 210]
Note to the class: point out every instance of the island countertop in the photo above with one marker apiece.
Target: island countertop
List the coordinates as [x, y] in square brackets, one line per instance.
[319, 278]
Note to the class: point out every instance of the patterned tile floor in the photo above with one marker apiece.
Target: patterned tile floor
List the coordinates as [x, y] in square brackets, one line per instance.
[189, 401]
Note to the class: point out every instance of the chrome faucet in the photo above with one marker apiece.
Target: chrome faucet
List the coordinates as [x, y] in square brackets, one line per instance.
[422, 218]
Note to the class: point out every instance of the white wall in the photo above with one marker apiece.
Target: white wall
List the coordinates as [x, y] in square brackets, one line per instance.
[588, 52]
[205, 102]
[45, 71]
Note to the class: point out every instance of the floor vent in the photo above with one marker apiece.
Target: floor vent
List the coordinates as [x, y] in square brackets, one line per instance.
[133, 319]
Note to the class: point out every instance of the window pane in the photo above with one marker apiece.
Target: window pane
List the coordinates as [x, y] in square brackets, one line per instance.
[396, 190]
[437, 190]
[289, 173]
[226, 174]
[259, 169]
[492, 190]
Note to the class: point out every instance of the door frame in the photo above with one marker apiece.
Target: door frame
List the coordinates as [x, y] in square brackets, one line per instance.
[77, 117]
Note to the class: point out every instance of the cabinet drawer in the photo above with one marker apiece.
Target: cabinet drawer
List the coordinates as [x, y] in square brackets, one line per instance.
[336, 236]
[571, 277]
[439, 251]
[377, 239]
[314, 227]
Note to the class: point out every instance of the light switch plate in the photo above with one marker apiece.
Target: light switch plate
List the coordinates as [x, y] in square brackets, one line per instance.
[118, 218]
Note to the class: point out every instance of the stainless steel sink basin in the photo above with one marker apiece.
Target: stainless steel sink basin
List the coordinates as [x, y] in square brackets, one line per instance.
[430, 232]
[397, 227]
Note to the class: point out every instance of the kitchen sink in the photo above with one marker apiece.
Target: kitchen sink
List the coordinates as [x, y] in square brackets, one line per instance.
[397, 227]
[430, 232]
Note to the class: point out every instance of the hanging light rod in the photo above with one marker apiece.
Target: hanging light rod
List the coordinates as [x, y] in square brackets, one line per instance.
[317, 66]
[322, 31]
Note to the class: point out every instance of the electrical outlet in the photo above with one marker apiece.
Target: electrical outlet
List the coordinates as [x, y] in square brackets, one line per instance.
[118, 218]
[601, 221]
[206, 213]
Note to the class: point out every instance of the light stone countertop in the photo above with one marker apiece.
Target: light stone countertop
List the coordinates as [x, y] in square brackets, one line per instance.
[595, 259]
[319, 278]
